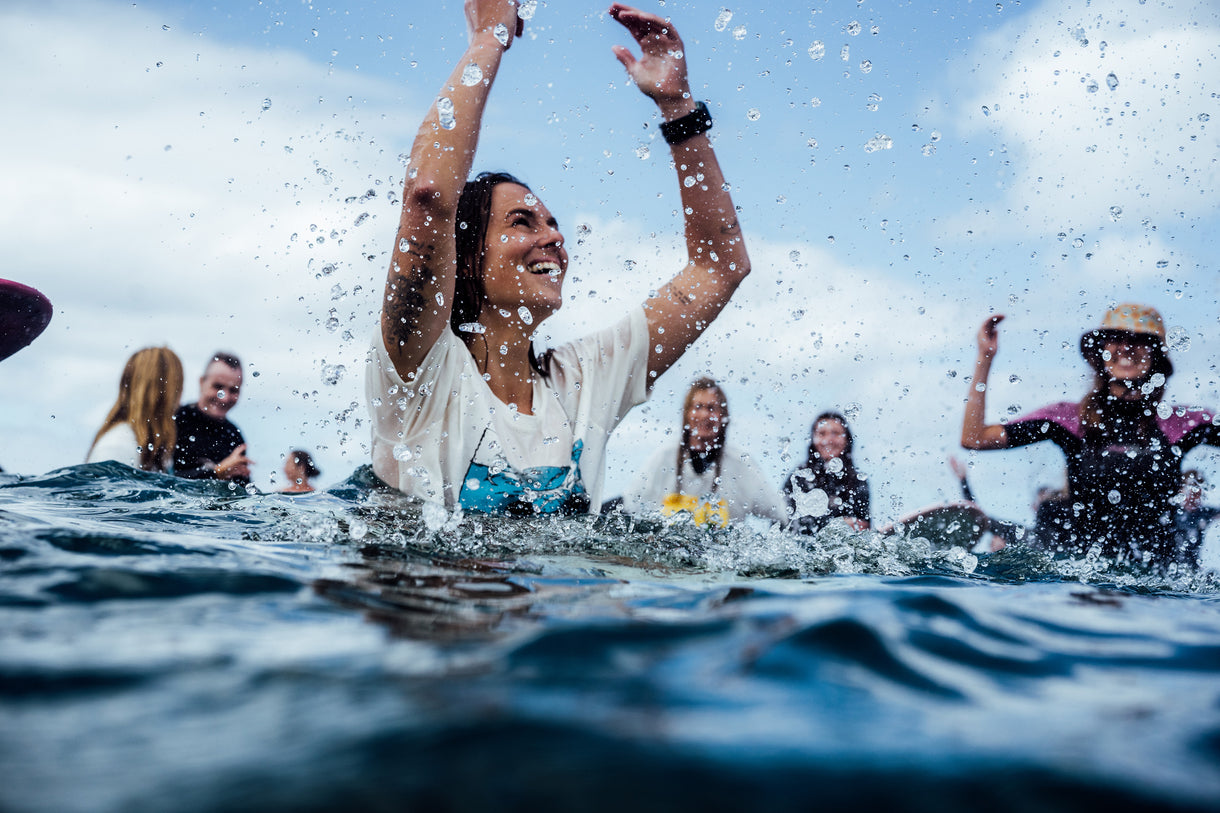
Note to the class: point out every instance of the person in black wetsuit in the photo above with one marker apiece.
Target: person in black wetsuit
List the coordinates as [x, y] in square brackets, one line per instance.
[1124, 445]
[828, 469]
[209, 445]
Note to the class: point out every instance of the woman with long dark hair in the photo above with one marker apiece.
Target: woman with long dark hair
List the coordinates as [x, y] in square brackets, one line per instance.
[701, 473]
[465, 412]
[1124, 445]
[828, 486]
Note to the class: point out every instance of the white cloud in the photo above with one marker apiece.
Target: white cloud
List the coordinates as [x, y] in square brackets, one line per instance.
[1104, 110]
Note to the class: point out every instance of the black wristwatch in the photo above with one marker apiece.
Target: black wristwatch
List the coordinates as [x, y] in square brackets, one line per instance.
[692, 124]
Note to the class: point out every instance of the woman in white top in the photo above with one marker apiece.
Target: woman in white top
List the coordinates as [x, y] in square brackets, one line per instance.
[139, 430]
[465, 412]
[702, 473]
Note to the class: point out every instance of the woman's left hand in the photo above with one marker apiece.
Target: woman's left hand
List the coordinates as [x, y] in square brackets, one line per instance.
[660, 72]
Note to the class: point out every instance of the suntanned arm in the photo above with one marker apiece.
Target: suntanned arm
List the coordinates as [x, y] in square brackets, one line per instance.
[976, 433]
[419, 287]
[716, 254]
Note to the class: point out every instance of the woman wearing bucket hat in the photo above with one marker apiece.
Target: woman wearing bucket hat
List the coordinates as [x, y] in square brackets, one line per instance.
[1124, 446]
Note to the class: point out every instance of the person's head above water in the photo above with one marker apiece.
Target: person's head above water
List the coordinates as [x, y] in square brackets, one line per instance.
[220, 385]
[1129, 347]
[830, 438]
[150, 388]
[509, 252]
[705, 417]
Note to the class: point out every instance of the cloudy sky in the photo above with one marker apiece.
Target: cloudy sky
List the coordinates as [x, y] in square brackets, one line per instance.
[227, 175]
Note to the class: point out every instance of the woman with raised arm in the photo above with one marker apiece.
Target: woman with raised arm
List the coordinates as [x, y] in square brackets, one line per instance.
[1124, 445]
[465, 411]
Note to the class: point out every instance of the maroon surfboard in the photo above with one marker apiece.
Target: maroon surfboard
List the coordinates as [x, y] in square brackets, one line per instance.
[24, 314]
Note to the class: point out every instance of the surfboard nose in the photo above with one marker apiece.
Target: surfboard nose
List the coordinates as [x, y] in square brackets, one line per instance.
[24, 314]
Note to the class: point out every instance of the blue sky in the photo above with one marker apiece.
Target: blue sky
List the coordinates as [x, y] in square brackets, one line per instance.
[199, 174]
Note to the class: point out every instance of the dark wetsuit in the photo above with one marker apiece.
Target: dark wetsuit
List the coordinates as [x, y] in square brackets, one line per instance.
[1119, 495]
[202, 443]
[848, 498]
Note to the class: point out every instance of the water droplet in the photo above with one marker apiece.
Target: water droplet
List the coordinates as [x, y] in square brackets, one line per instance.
[471, 327]
[1111, 81]
[643, 152]
[1114, 497]
[935, 136]
[444, 111]
[266, 104]
[529, 199]
[1092, 86]
[928, 149]
[332, 374]
[866, 66]
[853, 28]
[1162, 263]
[986, 110]
[1178, 340]
[739, 33]
[527, 318]
[472, 74]
[845, 53]
[1014, 379]
[794, 256]
[440, 299]
[1205, 117]
[688, 181]
[500, 32]
[1116, 212]
[852, 410]
[1078, 243]
[834, 465]
[879, 142]
[1080, 37]
[722, 19]
[753, 114]
[526, 9]
[817, 50]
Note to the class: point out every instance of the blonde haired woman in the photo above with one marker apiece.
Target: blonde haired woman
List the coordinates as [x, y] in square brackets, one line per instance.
[139, 430]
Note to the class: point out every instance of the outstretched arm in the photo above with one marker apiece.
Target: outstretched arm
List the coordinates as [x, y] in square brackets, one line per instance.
[716, 255]
[419, 287]
[976, 434]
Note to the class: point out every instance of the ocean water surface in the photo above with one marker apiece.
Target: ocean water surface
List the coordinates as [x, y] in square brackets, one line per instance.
[174, 645]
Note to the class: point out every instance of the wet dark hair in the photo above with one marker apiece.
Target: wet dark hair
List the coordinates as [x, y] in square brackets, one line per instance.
[470, 240]
[816, 464]
[305, 459]
[703, 384]
[227, 359]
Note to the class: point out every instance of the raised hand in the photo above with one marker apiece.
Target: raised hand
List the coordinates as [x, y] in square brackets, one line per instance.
[989, 336]
[660, 71]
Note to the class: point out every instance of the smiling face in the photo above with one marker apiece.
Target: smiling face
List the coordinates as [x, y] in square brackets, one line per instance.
[219, 389]
[829, 438]
[705, 417]
[1126, 361]
[524, 260]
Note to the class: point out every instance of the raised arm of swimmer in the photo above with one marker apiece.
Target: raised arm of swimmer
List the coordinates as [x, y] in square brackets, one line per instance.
[716, 255]
[419, 287]
[976, 433]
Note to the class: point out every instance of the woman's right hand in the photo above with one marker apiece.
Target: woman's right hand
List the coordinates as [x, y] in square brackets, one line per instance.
[989, 336]
[485, 15]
